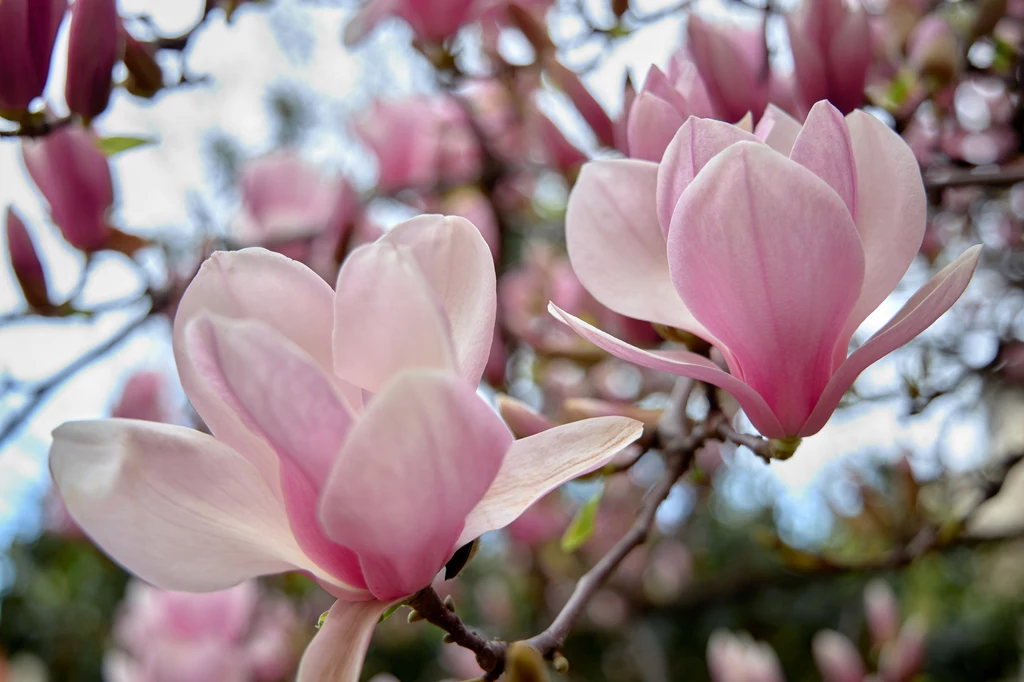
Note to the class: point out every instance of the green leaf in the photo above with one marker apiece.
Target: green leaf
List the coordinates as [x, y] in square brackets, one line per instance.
[390, 610]
[582, 526]
[115, 145]
[321, 619]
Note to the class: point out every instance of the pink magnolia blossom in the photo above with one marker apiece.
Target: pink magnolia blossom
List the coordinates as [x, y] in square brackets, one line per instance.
[837, 658]
[738, 658]
[28, 30]
[663, 105]
[74, 177]
[348, 438]
[289, 206]
[228, 636]
[832, 51]
[733, 63]
[94, 46]
[772, 247]
[28, 269]
[430, 20]
[144, 397]
[419, 142]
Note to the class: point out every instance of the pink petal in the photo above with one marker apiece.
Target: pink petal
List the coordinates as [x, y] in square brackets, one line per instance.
[850, 54]
[767, 256]
[281, 394]
[176, 507]
[923, 308]
[696, 143]
[337, 651]
[616, 247]
[415, 464]
[681, 363]
[652, 123]
[778, 130]
[387, 318]
[809, 65]
[536, 465]
[457, 263]
[891, 211]
[260, 285]
[367, 19]
[824, 148]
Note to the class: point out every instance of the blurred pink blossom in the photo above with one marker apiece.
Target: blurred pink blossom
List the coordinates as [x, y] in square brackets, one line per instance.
[738, 658]
[74, 177]
[144, 397]
[733, 64]
[25, 263]
[94, 46]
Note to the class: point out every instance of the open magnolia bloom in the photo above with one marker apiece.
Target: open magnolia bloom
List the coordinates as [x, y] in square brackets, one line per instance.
[348, 438]
[772, 246]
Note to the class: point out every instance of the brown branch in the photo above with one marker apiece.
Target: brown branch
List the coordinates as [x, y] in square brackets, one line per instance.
[490, 654]
[38, 129]
[757, 444]
[955, 177]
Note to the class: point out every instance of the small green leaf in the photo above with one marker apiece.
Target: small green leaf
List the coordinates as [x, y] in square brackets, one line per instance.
[115, 145]
[582, 526]
[320, 621]
[390, 610]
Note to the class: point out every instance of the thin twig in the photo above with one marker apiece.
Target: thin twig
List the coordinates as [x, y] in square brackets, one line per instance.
[40, 392]
[490, 654]
[757, 444]
[40, 129]
[955, 177]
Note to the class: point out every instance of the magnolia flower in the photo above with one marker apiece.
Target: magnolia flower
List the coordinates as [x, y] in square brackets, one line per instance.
[28, 29]
[663, 105]
[772, 247]
[738, 658]
[837, 658]
[733, 62]
[348, 438]
[74, 177]
[430, 20]
[419, 142]
[231, 635]
[94, 46]
[144, 396]
[832, 51]
[28, 269]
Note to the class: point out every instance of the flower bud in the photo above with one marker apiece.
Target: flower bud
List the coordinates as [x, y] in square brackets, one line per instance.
[28, 29]
[145, 77]
[882, 611]
[94, 45]
[933, 50]
[143, 397]
[836, 657]
[25, 262]
[72, 174]
[523, 663]
[901, 660]
[591, 110]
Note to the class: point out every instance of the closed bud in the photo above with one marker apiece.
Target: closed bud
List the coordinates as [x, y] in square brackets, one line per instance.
[94, 45]
[901, 660]
[28, 270]
[882, 611]
[145, 77]
[74, 177]
[523, 663]
[836, 657]
[28, 29]
[933, 50]
[590, 109]
[522, 421]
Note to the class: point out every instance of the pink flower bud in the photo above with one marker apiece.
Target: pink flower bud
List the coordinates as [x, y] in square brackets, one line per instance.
[837, 658]
[933, 49]
[591, 110]
[144, 397]
[901, 660]
[882, 611]
[553, 149]
[431, 20]
[28, 270]
[74, 177]
[28, 29]
[733, 65]
[94, 46]
[738, 658]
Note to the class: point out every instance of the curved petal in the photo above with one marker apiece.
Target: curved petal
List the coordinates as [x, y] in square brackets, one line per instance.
[261, 285]
[652, 123]
[809, 65]
[772, 273]
[536, 465]
[696, 143]
[824, 148]
[777, 129]
[458, 265]
[280, 393]
[174, 506]
[415, 464]
[387, 318]
[616, 247]
[681, 363]
[337, 651]
[891, 211]
[923, 308]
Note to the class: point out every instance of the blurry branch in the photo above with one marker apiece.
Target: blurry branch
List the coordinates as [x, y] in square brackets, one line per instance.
[757, 444]
[38, 393]
[38, 128]
[954, 177]
[66, 311]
